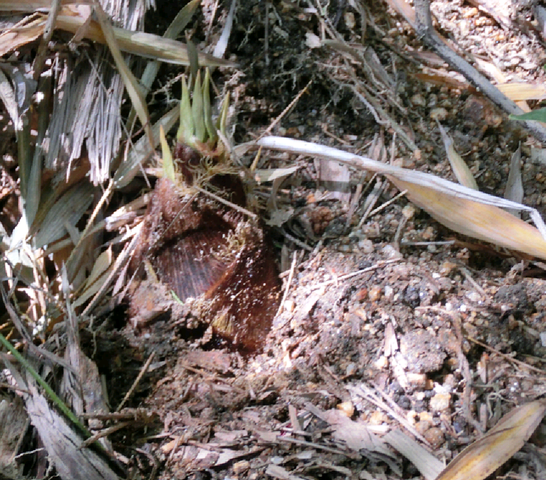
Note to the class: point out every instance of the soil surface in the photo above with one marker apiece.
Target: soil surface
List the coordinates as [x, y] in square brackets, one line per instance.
[387, 319]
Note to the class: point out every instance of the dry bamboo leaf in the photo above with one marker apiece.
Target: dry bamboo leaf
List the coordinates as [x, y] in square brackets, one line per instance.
[142, 149]
[270, 174]
[129, 80]
[485, 222]
[281, 473]
[514, 184]
[483, 457]
[458, 165]
[438, 77]
[462, 209]
[140, 43]
[13, 425]
[356, 435]
[429, 466]
[221, 46]
[26, 31]
[29, 7]
[7, 95]
[101, 265]
[177, 25]
[67, 209]
[523, 91]
[62, 443]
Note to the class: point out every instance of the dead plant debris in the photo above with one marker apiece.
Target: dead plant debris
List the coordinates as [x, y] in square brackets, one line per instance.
[245, 306]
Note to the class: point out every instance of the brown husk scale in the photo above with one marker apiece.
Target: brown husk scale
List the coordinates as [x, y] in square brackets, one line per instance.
[203, 249]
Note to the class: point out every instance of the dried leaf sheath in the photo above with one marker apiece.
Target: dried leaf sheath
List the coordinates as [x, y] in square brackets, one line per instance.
[199, 247]
[189, 265]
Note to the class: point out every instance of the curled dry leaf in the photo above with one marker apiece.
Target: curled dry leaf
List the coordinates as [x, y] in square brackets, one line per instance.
[483, 457]
[485, 222]
[459, 166]
[460, 208]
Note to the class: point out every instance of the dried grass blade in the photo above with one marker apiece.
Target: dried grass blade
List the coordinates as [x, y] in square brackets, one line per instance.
[429, 466]
[7, 95]
[24, 32]
[459, 166]
[102, 263]
[177, 25]
[485, 222]
[69, 208]
[140, 43]
[63, 444]
[129, 80]
[142, 149]
[484, 456]
[220, 48]
[514, 184]
[29, 5]
[446, 201]
[523, 91]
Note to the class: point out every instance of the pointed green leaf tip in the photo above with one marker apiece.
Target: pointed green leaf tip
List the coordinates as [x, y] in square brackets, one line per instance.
[197, 128]
[207, 109]
[197, 110]
[168, 163]
[186, 128]
[537, 115]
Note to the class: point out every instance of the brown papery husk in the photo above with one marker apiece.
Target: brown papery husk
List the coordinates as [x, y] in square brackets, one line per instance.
[199, 247]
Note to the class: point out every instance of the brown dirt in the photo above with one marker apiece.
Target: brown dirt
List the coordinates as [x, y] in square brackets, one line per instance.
[447, 332]
[419, 311]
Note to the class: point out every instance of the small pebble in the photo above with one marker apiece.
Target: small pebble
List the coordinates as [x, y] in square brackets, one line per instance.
[435, 437]
[439, 114]
[365, 246]
[347, 408]
[417, 380]
[440, 402]
[418, 100]
[374, 293]
[241, 467]
[289, 306]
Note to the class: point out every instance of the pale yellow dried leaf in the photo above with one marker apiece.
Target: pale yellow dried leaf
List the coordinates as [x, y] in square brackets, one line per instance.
[485, 222]
[102, 263]
[429, 466]
[32, 6]
[140, 43]
[270, 174]
[483, 457]
[460, 208]
[458, 165]
[20, 35]
[92, 289]
[523, 91]
[514, 184]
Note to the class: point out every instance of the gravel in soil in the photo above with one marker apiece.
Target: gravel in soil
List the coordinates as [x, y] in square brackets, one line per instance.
[386, 321]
